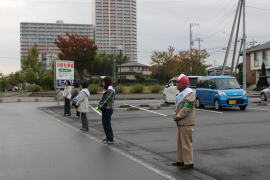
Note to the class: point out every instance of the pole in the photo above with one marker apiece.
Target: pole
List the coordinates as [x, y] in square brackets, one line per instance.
[190, 37]
[244, 47]
[236, 39]
[241, 48]
[230, 40]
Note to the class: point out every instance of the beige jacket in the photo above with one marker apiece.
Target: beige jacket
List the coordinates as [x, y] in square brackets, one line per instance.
[185, 111]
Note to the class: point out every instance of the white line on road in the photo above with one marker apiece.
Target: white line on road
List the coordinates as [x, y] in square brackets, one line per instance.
[148, 166]
[259, 109]
[210, 111]
[95, 110]
[147, 110]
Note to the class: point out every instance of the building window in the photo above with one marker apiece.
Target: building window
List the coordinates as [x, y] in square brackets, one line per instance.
[265, 57]
[256, 60]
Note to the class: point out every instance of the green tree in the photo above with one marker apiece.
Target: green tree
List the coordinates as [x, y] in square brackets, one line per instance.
[263, 82]
[3, 83]
[32, 67]
[78, 48]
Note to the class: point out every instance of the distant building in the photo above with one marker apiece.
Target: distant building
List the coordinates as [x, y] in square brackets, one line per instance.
[44, 35]
[255, 57]
[129, 70]
[217, 71]
[116, 27]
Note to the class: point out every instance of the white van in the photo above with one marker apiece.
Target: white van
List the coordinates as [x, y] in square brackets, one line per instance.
[170, 91]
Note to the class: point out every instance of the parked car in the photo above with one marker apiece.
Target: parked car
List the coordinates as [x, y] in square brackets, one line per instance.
[170, 91]
[265, 94]
[220, 91]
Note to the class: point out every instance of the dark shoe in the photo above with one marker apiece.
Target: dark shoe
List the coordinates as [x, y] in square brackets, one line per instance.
[178, 164]
[189, 166]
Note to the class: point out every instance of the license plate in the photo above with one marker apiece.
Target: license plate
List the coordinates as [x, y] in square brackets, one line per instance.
[232, 101]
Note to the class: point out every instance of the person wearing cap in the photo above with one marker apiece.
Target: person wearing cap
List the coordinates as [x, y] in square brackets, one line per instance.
[184, 117]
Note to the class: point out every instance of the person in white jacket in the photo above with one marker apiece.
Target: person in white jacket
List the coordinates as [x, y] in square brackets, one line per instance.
[67, 96]
[83, 105]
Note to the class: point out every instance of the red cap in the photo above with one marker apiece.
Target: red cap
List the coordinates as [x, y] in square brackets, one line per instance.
[182, 78]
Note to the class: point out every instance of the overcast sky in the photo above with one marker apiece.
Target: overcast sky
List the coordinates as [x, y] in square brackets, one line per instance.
[160, 23]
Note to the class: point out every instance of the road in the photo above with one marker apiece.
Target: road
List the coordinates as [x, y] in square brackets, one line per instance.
[35, 146]
[231, 144]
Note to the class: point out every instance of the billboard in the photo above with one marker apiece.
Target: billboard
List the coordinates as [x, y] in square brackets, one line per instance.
[64, 70]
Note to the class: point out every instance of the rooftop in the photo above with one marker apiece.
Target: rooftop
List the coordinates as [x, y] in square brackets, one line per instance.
[133, 64]
[259, 47]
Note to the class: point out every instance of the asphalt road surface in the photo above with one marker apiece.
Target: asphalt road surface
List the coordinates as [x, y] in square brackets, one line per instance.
[35, 146]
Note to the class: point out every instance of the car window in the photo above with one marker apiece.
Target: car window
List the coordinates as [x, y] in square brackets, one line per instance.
[227, 84]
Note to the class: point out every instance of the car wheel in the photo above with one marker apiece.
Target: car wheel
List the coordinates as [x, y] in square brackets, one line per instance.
[242, 108]
[263, 97]
[217, 105]
[198, 104]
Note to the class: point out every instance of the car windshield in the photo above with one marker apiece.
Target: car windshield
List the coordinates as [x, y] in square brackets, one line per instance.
[227, 84]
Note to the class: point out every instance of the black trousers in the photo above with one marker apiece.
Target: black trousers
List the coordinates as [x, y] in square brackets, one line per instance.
[84, 121]
[67, 106]
[106, 122]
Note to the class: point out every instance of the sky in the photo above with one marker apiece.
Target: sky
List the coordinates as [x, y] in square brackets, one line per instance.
[160, 24]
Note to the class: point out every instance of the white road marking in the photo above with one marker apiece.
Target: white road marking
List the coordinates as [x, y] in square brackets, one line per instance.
[95, 110]
[210, 111]
[259, 109]
[149, 166]
[147, 110]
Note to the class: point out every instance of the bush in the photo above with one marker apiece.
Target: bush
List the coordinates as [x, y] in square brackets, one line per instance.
[120, 89]
[33, 88]
[94, 88]
[155, 88]
[138, 88]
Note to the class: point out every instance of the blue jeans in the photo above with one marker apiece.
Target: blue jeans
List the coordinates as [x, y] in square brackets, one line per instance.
[106, 122]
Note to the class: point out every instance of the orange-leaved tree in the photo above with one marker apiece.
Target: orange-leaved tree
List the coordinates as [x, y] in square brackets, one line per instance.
[78, 48]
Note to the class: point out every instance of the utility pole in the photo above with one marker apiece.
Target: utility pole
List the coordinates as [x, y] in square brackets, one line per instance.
[236, 39]
[244, 47]
[191, 42]
[230, 40]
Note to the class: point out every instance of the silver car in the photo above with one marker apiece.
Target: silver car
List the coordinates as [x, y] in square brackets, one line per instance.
[265, 94]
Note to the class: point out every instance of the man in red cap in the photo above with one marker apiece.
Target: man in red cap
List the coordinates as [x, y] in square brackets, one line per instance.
[184, 117]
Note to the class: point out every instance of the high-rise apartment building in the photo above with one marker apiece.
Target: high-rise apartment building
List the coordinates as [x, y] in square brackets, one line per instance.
[44, 35]
[116, 27]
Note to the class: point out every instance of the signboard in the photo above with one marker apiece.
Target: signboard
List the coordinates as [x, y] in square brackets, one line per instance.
[64, 70]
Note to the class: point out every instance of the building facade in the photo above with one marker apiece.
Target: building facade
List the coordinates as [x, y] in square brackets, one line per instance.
[217, 71]
[256, 56]
[115, 24]
[129, 70]
[44, 35]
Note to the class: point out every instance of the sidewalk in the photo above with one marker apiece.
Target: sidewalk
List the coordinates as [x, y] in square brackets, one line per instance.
[45, 97]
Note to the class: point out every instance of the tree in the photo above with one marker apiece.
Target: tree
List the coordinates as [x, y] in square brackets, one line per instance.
[102, 64]
[191, 62]
[161, 61]
[263, 82]
[78, 48]
[32, 67]
[167, 64]
[32, 61]
[3, 83]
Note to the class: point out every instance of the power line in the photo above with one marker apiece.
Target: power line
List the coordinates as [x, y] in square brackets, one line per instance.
[258, 8]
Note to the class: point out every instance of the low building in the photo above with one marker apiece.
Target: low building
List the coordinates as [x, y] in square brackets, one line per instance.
[129, 70]
[255, 58]
[216, 71]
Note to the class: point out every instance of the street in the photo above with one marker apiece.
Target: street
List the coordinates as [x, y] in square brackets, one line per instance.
[34, 146]
[229, 144]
